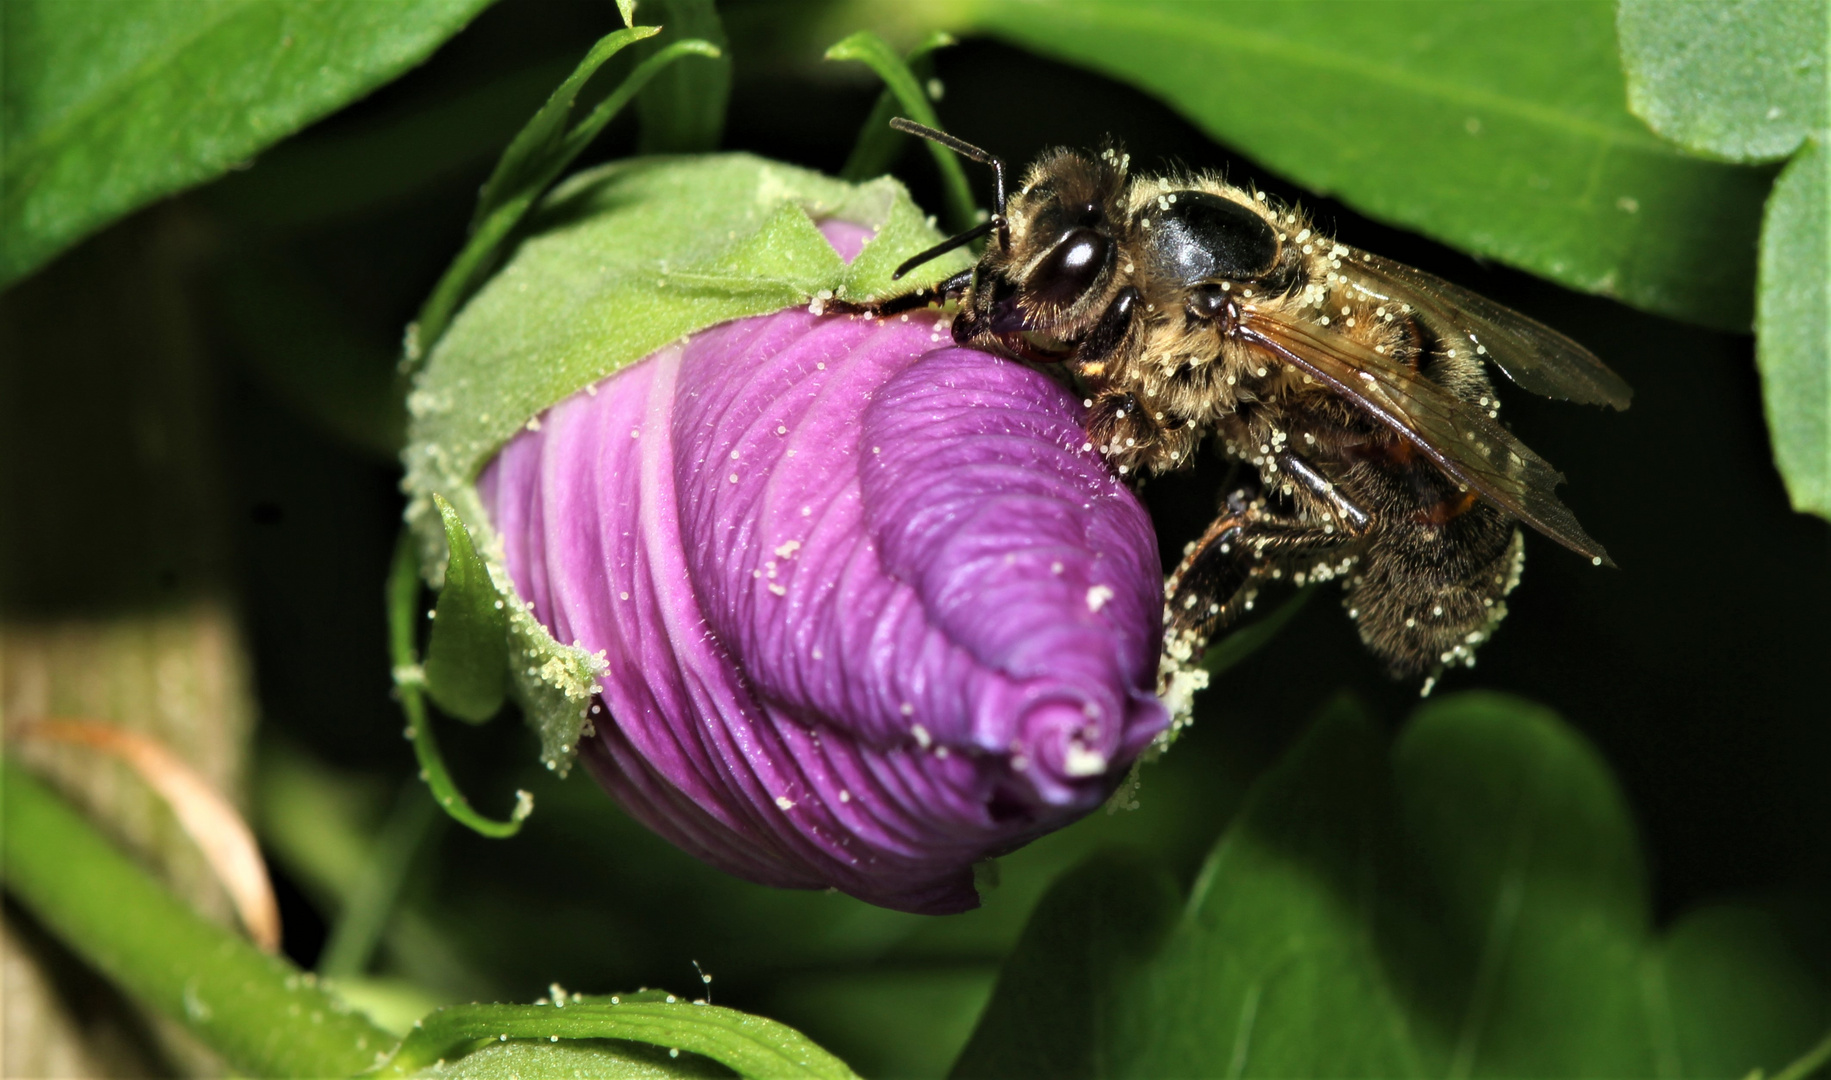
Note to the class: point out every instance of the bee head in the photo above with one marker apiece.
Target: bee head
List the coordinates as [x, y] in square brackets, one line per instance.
[1063, 231]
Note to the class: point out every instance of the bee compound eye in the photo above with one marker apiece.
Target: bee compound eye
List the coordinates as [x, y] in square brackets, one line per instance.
[1070, 269]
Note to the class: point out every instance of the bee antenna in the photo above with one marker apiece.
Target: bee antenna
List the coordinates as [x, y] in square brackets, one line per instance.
[944, 247]
[967, 150]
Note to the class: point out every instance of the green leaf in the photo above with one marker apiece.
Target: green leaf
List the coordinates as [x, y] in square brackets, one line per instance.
[104, 113]
[1793, 328]
[1477, 907]
[1740, 80]
[466, 662]
[750, 1045]
[536, 157]
[1734, 992]
[618, 263]
[879, 145]
[683, 109]
[570, 1059]
[1087, 946]
[1500, 129]
[912, 102]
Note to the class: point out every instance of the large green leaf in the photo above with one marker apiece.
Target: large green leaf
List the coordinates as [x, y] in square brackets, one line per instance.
[1741, 80]
[1744, 80]
[107, 108]
[1501, 129]
[1793, 323]
[1475, 907]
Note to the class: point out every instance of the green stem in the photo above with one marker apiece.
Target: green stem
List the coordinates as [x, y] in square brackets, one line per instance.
[262, 1014]
[1812, 1061]
[410, 684]
[371, 903]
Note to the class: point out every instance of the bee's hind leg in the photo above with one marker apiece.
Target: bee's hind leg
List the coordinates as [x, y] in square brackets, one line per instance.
[1249, 544]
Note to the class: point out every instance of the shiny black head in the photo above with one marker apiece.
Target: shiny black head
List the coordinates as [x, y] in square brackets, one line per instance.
[1202, 237]
[1078, 256]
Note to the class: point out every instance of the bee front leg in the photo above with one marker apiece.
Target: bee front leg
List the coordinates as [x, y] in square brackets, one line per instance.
[1107, 334]
[1247, 545]
[939, 293]
[1136, 437]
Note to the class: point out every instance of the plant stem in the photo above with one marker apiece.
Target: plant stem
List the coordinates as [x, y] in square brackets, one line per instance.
[259, 1012]
[1812, 1061]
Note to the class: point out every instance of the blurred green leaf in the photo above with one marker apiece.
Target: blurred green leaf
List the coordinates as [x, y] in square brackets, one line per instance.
[879, 145]
[1500, 129]
[305, 346]
[751, 1045]
[1477, 909]
[339, 172]
[1093, 937]
[466, 657]
[683, 107]
[906, 1021]
[1793, 327]
[1740, 80]
[108, 108]
[1249, 639]
[912, 102]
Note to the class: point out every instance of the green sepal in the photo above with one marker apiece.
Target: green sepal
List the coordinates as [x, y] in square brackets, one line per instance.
[870, 50]
[751, 1046]
[410, 686]
[467, 671]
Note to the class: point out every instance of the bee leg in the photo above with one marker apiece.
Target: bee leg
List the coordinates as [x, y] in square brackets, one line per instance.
[1350, 516]
[1110, 332]
[1135, 437]
[1219, 576]
[939, 293]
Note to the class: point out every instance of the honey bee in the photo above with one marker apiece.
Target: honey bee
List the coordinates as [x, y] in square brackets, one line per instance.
[1354, 389]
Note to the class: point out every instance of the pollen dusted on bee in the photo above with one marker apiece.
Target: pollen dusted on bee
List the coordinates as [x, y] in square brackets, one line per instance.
[1185, 306]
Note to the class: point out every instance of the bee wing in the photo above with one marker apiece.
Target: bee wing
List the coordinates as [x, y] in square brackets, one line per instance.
[1467, 443]
[1532, 354]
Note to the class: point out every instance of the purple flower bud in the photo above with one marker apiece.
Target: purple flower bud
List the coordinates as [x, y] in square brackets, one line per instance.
[871, 610]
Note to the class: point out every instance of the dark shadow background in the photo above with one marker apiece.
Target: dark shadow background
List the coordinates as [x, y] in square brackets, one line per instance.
[1698, 667]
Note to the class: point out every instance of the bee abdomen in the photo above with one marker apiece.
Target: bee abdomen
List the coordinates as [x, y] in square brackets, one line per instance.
[1425, 598]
